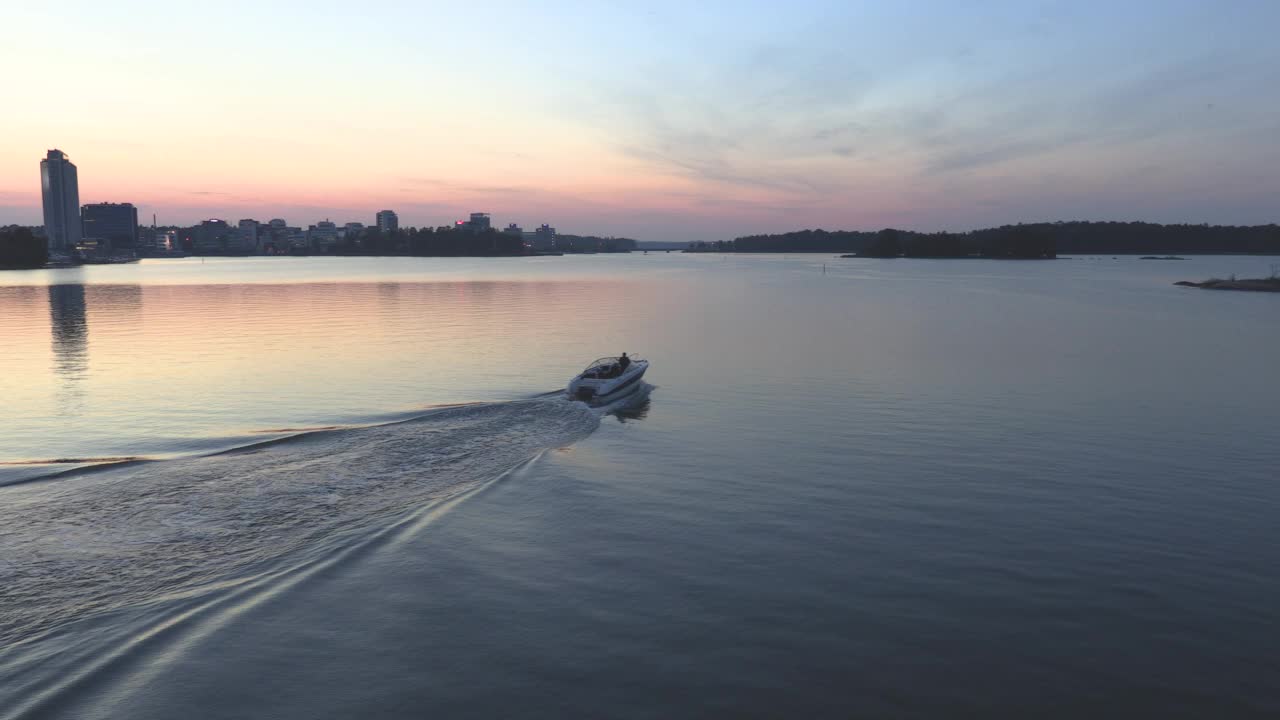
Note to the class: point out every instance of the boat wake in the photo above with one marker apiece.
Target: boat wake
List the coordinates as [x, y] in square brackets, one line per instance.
[97, 565]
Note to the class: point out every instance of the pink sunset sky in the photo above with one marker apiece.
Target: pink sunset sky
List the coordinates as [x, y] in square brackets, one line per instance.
[662, 122]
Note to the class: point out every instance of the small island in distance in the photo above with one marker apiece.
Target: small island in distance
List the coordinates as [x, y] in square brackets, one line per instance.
[1266, 284]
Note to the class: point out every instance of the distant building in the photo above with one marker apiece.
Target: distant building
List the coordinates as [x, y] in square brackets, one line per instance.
[247, 235]
[387, 221]
[60, 189]
[352, 230]
[545, 238]
[159, 241]
[92, 248]
[322, 236]
[114, 223]
[288, 239]
[277, 236]
[513, 229]
[211, 237]
[479, 222]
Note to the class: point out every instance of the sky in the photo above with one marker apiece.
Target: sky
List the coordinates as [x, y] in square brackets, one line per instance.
[659, 120]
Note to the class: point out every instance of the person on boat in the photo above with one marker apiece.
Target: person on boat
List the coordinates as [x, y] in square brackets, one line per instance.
[623, 362]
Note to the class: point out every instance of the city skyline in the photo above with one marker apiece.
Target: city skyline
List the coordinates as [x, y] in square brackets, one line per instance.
[836, 115]
[104, 229]
[66, 222]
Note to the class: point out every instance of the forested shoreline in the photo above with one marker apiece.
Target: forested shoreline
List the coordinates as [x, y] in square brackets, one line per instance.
[1030, 240]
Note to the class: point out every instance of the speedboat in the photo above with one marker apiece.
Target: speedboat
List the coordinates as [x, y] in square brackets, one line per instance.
[606, 380]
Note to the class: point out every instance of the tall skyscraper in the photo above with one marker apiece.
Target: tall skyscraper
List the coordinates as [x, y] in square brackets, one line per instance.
[61, 191]
[387, 221]
[117, 223]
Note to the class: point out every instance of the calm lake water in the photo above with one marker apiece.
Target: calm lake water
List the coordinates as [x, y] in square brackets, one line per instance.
[883, 489]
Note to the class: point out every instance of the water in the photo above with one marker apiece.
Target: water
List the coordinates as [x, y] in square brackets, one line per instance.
[899, 488]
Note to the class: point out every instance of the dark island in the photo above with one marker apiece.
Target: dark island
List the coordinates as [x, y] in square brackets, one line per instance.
[1022, 242]
[1030, 240]
[1267, 284]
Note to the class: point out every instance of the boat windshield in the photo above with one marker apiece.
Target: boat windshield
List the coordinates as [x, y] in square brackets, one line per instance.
[602, 368]
[604, 362]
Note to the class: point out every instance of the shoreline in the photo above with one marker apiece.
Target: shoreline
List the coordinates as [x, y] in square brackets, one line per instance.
[65, 265]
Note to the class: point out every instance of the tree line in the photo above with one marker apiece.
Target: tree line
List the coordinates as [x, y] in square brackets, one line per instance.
[1032, 240]
[21, 248]
[593, 243]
